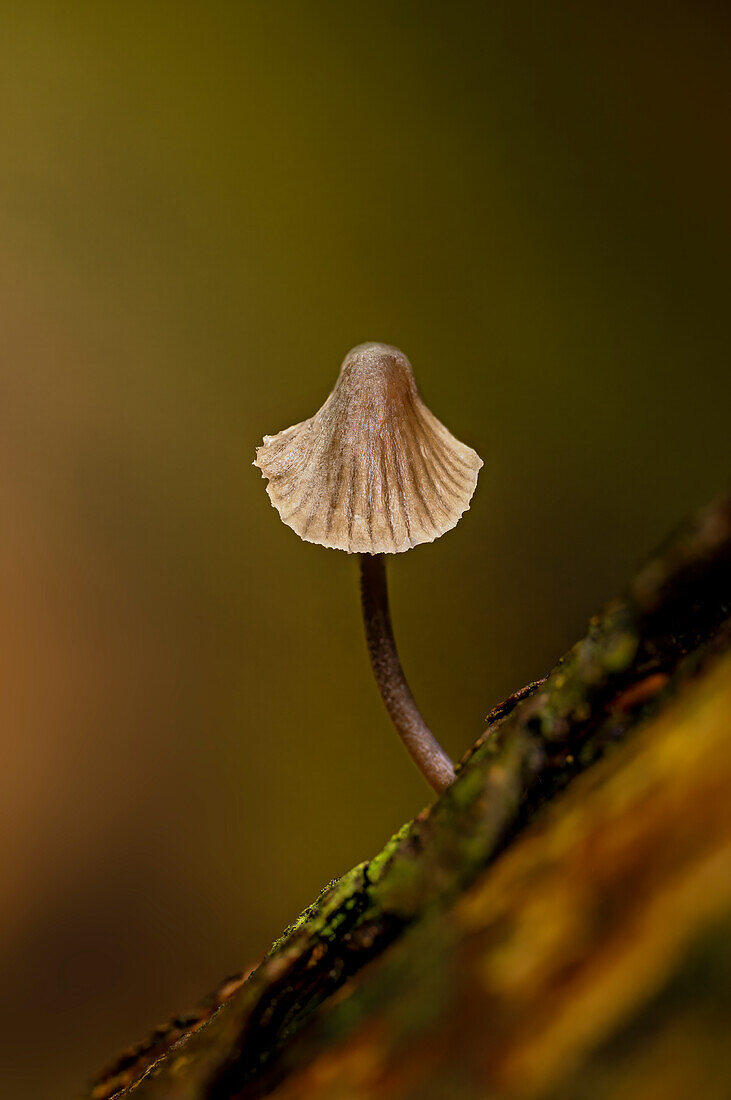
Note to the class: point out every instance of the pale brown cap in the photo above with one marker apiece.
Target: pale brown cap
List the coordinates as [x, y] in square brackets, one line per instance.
[374, 471]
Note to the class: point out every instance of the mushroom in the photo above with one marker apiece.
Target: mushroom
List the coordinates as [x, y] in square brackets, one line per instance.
[374, 472]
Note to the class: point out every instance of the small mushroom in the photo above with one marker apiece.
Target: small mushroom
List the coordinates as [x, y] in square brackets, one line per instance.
[374, 472]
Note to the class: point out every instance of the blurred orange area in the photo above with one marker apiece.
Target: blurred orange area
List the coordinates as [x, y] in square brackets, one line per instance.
[201, 211]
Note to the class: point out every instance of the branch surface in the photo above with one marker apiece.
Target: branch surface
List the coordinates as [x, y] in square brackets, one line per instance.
[552, 922]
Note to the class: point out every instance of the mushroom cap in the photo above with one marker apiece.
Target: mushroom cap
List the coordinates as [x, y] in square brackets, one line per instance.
[373, 471]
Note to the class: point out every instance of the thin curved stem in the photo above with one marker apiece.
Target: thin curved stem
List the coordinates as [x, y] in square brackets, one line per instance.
[420, 742]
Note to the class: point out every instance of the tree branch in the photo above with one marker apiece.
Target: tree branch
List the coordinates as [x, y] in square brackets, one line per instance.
[601, 923]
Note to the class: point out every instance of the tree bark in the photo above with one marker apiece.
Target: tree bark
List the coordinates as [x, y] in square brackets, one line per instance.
[554, 927]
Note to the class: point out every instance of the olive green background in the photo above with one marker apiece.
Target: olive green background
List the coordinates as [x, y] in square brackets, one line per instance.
[202, 207]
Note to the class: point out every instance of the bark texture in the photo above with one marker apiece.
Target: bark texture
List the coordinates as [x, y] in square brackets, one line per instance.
[554, 927]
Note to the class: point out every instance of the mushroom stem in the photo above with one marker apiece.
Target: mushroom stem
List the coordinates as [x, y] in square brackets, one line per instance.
[426, 752]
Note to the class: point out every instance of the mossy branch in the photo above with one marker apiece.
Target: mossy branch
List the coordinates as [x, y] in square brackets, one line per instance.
[573, 959]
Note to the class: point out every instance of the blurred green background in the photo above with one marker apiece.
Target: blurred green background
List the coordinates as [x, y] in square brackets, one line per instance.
[202, 207]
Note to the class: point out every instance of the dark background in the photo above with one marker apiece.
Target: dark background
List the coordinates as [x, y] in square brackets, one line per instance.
[202, 207]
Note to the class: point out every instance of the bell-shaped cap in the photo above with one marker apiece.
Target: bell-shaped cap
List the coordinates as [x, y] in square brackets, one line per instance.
[374, 471]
